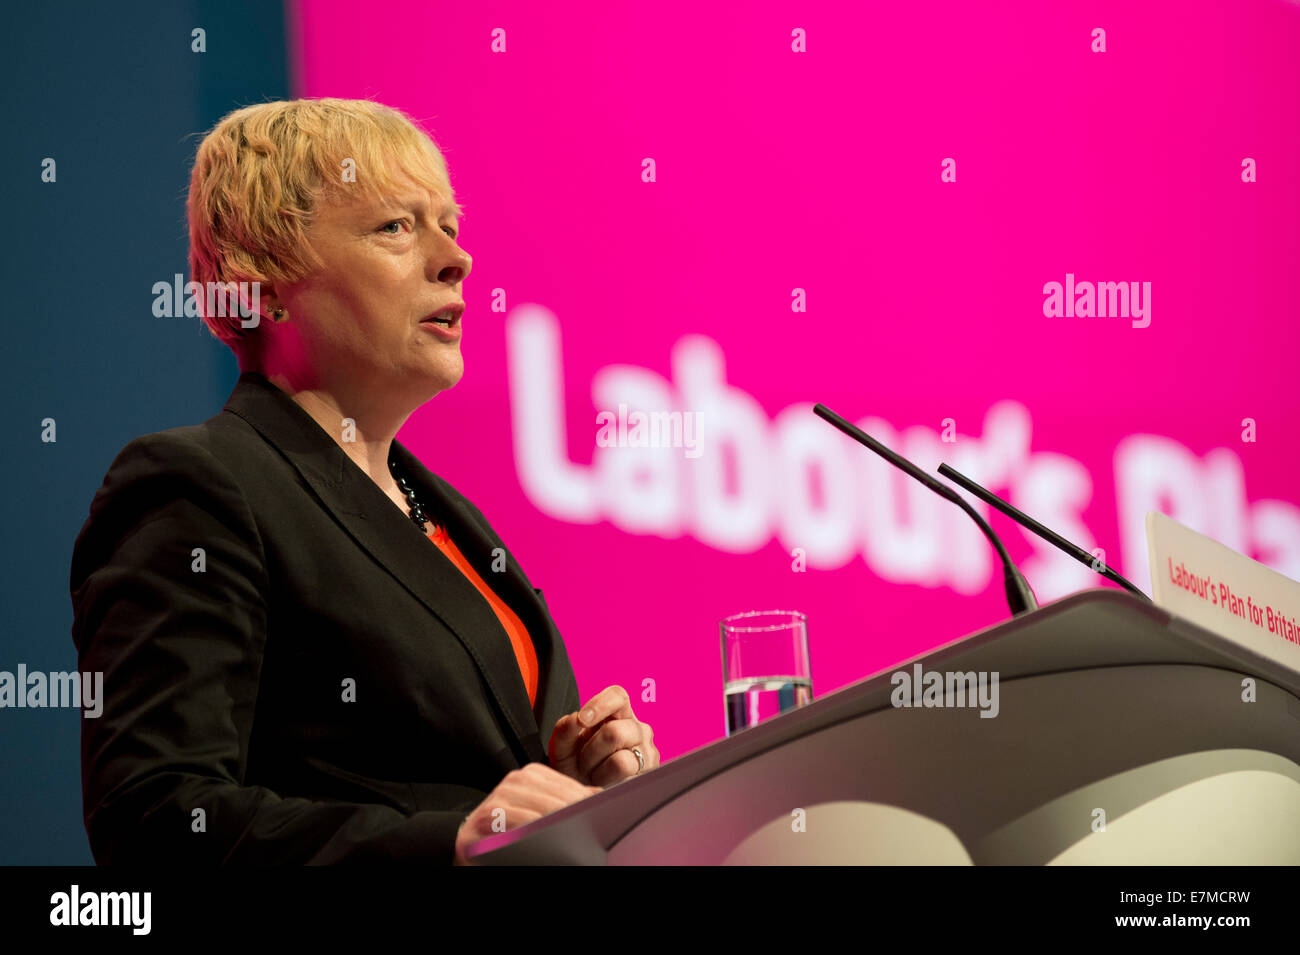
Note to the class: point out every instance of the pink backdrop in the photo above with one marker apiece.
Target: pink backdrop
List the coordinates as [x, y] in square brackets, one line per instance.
[601, 280]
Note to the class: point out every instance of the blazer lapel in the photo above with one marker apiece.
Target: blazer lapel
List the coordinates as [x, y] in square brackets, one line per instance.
[477, 542]
[376, 524]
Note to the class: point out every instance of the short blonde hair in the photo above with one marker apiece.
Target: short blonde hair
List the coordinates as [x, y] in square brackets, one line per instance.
[260, 173]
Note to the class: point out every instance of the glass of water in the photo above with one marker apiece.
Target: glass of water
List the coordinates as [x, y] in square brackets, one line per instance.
[765, 665]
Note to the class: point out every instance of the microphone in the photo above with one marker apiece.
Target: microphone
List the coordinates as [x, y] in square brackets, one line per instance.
[1024, 520]
[1020, 598]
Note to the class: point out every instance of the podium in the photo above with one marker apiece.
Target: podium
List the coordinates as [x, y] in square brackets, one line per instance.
[1123, 735]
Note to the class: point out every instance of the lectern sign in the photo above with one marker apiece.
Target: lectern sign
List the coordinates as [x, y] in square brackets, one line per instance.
[1209, 584]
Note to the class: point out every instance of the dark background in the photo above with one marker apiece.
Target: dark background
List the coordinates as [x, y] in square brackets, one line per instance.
[114, 94]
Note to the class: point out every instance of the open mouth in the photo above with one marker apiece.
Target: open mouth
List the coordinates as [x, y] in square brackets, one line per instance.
[447, 317]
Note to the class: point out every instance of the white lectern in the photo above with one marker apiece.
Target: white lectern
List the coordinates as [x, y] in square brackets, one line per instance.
[1110, 711]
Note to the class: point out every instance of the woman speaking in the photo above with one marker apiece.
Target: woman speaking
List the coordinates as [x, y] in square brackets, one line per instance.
[314, 649]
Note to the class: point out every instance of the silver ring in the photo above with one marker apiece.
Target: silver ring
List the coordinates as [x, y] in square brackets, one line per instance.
[640, 760]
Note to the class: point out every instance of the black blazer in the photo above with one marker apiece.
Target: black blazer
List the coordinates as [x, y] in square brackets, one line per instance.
[225, 680]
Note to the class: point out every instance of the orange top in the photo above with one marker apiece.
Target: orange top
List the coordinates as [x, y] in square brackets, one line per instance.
[519, 639]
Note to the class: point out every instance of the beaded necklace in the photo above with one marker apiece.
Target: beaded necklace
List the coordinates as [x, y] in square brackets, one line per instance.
[416, 511]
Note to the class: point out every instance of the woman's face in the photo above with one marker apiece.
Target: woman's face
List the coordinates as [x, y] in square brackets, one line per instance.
[388, 264]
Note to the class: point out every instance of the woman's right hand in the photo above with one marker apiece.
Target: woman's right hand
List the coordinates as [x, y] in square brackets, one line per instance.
[525, 794]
